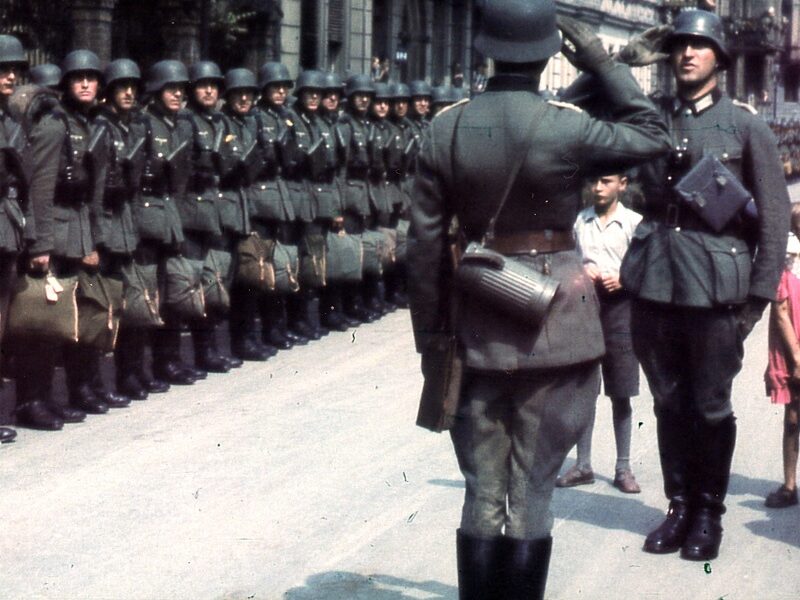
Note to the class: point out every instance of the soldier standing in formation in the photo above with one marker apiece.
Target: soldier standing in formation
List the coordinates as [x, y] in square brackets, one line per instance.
[700, 290]
[240, 94]
[308, 179]
[63, 187]
[115, 233]
[354, 131]
[155, 209]
[123, 82]
[211, 160]
[384, 159]
[13, 192]
[273, 211]
[529, 390]
[333, 314]
[420, 105]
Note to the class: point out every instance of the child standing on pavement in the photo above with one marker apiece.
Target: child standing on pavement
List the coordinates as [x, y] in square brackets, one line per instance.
[783, 373]
[603, 233]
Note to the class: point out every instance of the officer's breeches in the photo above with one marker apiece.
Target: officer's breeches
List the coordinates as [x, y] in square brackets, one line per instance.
[690, 357]
[511, 436]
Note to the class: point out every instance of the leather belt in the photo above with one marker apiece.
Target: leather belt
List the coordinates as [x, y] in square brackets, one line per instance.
[533, 242]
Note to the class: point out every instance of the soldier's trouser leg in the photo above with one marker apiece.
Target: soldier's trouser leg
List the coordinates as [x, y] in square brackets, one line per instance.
[35, 363]
[245, 341]
[273, 322]
[717, 351]
[81, 363]
[206, 356]
[332, 309]
[690, 358]
[129, 359]
[511, 437]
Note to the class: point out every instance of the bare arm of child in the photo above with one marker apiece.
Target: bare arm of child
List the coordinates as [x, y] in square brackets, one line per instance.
[783, 319]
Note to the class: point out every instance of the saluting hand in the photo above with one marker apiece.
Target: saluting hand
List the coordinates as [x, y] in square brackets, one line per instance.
[645, 49]
[586, 51]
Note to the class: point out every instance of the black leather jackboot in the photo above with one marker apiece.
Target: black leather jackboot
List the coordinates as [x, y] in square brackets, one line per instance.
[711, 475]
[674, 434]
[523, 566]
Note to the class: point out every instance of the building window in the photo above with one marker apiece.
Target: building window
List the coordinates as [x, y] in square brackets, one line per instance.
[309, 34]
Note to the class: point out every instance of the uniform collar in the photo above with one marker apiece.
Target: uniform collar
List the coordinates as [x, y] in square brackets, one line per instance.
[512, 82]
[696, 106]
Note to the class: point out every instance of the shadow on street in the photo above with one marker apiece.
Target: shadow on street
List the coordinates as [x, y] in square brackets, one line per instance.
[341, 585]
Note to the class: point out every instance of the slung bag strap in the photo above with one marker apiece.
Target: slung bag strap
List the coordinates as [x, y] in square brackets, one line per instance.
[512, 178]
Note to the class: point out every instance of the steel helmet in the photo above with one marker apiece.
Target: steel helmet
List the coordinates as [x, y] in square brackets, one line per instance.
[400, 91]
[11, 51]
[517, 31]
[701, 24]
[441, 95]
[240, 79]
[383, 91]
[359, 84]
[334, 82]
[205, 70]
[46, 75]
[273, 72]
[165, 72]
[418, 87]
[311, 79]
[80, 61]
[122, 69]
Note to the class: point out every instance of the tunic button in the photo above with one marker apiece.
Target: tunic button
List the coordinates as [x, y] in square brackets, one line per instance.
[263, 187]
[319, 189]
[160, 155]
[219, 195]
[146, 204]
[733, 250]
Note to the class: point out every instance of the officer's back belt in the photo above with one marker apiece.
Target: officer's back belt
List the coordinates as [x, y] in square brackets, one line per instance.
[532, 242]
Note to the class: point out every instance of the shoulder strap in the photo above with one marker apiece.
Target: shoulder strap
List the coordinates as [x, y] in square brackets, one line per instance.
[512, 178]
[61, 116]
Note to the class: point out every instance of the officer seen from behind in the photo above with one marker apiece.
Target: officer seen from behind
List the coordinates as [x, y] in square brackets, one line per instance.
[529, 389]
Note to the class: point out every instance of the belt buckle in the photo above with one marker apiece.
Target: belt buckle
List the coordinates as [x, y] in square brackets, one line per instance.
[673, 215]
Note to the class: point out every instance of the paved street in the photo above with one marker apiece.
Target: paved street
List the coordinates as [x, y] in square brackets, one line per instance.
[305, 478]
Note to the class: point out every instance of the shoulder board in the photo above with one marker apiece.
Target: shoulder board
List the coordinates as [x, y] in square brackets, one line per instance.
[446, 108]
[744, 105]
[559, 104]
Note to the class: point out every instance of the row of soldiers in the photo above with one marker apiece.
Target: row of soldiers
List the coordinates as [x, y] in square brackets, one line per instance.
[787, 132]
[109, 174]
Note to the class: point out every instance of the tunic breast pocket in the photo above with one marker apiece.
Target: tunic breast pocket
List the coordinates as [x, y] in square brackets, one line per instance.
[150, 218]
